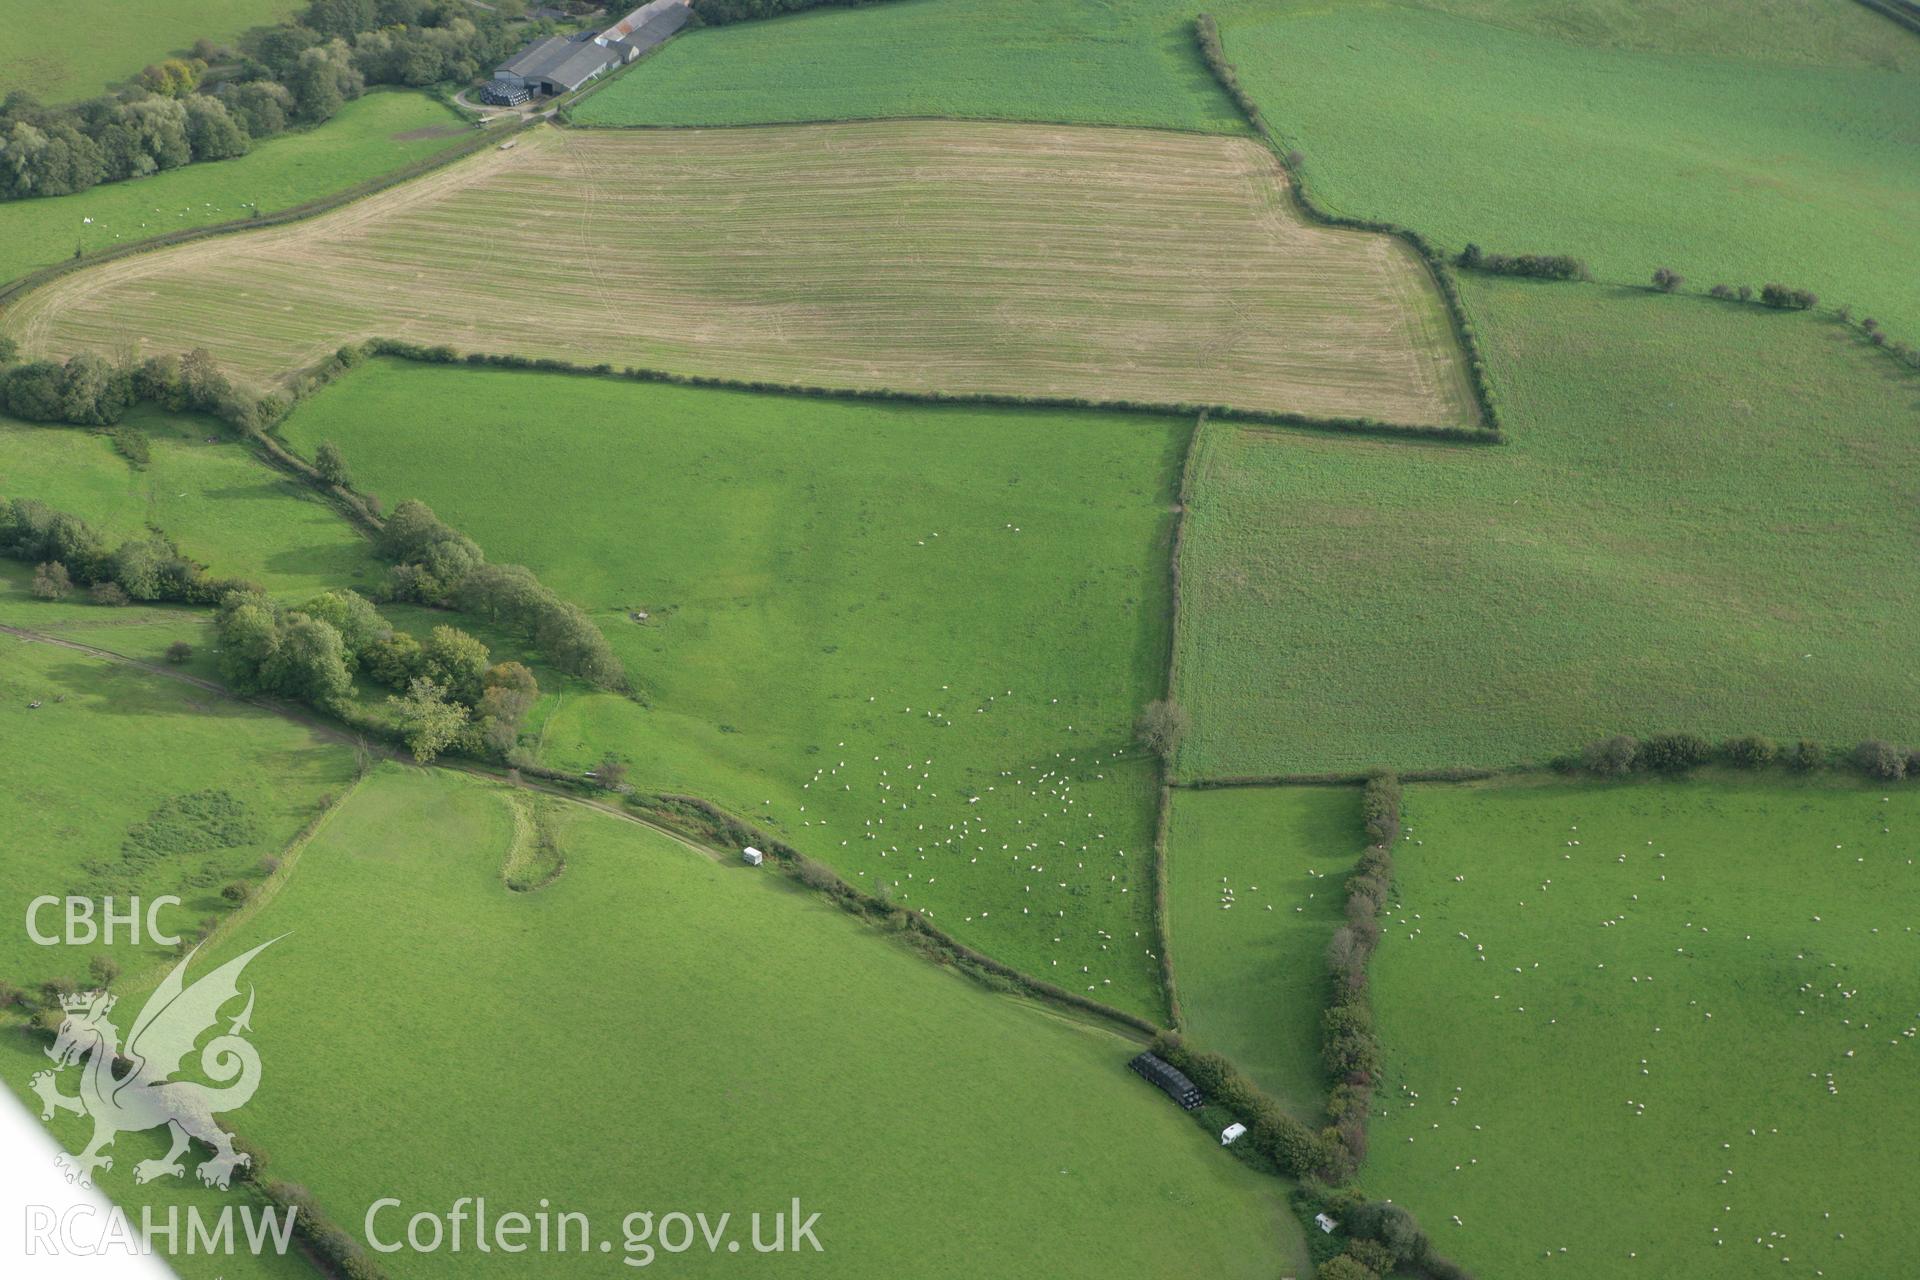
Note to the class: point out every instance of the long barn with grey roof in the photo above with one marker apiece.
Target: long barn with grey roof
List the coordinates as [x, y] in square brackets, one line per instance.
[561, 64]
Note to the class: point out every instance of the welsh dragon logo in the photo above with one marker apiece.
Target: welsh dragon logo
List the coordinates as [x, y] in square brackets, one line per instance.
[141, 1095]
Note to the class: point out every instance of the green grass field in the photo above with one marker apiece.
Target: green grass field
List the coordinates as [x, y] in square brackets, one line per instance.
[21, 1057]
[1743, 146]
[1666, 1028]
[222, 506]
[870, 627]
[1255, 882]
[701, 1037]
[57, 51]
[1731, 141]
[1079, 61]
[110, 750]
[1703, 521]
[362, 142]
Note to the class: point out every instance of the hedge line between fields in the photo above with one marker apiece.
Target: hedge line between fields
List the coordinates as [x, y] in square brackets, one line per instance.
[1162, 928]
[1207, 37]
[1379, 1236]
[1462, 773]
[293, 213]
[706, 821]
[443, 354]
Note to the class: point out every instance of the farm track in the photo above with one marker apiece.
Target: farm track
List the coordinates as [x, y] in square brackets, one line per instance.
[916, 256]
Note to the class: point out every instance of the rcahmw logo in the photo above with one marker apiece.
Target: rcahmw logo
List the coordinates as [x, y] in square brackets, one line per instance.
[145, 1094]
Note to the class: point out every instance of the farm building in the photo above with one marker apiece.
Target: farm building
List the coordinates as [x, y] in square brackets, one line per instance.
[646, 27]
[561, 64]
[1169, 1080]
[555, 65]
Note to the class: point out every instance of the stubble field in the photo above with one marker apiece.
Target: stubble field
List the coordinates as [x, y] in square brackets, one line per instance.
[919, 256]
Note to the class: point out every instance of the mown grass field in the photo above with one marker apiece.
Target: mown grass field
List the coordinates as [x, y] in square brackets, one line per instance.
[57, 51]
[725, 1042]
[917, 256]
[1664, 1028]
[1703, 521]
[1731, 143]
[1255, 888]
[110, 750]
[1087, 61]
[362, 142]
[870, 627]
[222, 506]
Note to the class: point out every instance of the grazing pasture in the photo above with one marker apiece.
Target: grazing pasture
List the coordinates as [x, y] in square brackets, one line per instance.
[58, 52]
[1086, 61]
[123, 782]
[1732, 143]
[900, 636]
[22, 1056]
[918, 256]
[1664, 1027]
[1256, 886]
[366, 139]
[214, 498]
[730, 1043]
[1703, 521]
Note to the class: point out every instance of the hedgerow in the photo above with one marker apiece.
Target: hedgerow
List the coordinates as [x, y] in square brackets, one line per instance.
[1207, 38]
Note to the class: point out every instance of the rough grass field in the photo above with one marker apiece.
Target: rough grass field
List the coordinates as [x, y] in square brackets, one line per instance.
[220, 504]
[1703, 521]
[1255, 887]
[900, 636]
[919, 256]
[1662, 1029]
[108, 792]
[1730, 142]
[58, 51]
[364, 141]
[724, 1043]
[1091, 61]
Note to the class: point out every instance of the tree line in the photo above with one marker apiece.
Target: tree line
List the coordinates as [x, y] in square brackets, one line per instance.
[217, 103]
[434, 564]
[87, 390]
[1536, 266]
[451, 695]
[69, 554]
[1622, 754]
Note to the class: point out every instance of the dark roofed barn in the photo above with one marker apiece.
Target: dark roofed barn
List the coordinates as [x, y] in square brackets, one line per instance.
[1162, 1074]
[555, 65]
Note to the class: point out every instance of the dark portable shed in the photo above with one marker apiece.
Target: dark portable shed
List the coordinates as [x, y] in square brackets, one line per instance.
[1164, 1076]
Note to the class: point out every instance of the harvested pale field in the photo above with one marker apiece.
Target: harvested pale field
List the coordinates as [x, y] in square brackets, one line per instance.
[1110, 264]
